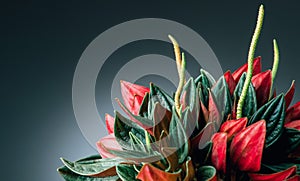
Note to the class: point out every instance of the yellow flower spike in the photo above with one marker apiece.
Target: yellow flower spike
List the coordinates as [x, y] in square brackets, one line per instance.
[180, 85]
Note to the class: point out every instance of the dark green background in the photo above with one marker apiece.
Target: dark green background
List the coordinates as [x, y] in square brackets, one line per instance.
[42, 41]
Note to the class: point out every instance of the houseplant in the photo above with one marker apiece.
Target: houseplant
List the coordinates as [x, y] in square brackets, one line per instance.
[235, 128]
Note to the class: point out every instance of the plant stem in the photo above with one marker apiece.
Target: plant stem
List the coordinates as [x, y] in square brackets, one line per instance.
[275, 64]
[251, 53]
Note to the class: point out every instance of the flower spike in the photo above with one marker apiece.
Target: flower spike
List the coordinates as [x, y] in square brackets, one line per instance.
[251, 53]
[275, 64]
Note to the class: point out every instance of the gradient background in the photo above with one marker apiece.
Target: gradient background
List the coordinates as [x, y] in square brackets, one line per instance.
[42, 41]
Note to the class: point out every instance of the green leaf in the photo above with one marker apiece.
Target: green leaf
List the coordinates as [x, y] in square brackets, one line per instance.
[206, 173]
[162, 118]
[178, 138]
[142, 121]
[191, 106]
[89, 159]
[68, 175]
[250, 105]
[138, 156]
[274, 114]
[203, 94]
[189, 96]
[204, 82]
[123, 127]
[136, 143]
[126, 172]
[205, 79]
[158, 95]
[105, 166]
[144, 106]
[293, 139]
[271, 168]
[286, 144]
[222, 97]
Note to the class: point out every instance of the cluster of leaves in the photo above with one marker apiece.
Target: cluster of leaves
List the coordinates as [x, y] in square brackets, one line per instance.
[205, 140]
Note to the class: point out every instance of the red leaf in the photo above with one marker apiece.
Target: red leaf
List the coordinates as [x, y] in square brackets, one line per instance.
[133, 95]
[247, 147]
[279, 176]
[293, 124]
[293, 113]
[262, 84]
[218, 155]
[150, 173]
[294, 178]
[230, 81]
[289, 95]
[110, 121]
[108, 142]
[256, 69]
[232, 127]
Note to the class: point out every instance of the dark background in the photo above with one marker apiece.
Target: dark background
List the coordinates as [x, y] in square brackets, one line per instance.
[42, 41]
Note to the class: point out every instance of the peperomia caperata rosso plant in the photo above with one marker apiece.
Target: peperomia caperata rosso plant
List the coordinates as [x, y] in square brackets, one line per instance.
[235, 128]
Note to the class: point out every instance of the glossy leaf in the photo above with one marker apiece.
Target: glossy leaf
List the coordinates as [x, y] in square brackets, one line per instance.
[191, 106]
[137, 156]
[206, 173]
[157, 95]
[150, 173]
[293, 113]
[289, 95]
[141, 121]
[292, 139]
[274, 113]
[222, 98]
[205, 78]
[188, 170]
[133, 95]
[256, 69]
[214, 112]
[162, 118]
[219, 148]
[108, 142]
[190, 98]
[110, 121]
[126, 172]
[283, 165]
[230, 82]
[97, 168]
[144, 106]
[178, 137]
[250, 105]
[203, 94]
[123, 127]
[293, 124]
[247, 147]
[68, 175]
[200, 140]
[262, 85]
[279, 176]
[232, 127]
